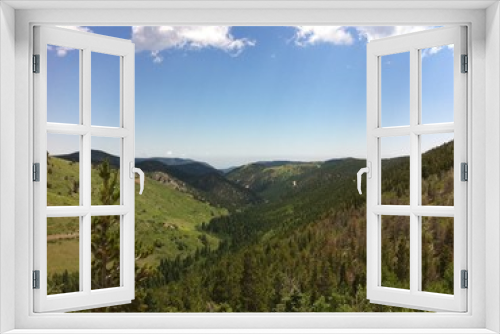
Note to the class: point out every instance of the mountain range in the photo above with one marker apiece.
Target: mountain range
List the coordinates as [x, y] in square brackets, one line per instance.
[234, 188]
[202, 180]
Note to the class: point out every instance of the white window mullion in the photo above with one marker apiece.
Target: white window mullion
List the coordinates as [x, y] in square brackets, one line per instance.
[427, 129]
[123, 176]
[85, 167]
[392, 210]
[80, 211]
[414, 167]
[421, 129]
[127, 102]
[406, 210]
[373, 183]
[40, 156]
[77, 129]
[395, 131]
[460, 152]
[418, 173]
[86, 255]
[80, 127]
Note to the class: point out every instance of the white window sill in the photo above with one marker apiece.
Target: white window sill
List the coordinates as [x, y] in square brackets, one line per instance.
[251, 331]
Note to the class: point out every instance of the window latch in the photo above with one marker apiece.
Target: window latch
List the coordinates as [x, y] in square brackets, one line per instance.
[368, 171]
[134, 170]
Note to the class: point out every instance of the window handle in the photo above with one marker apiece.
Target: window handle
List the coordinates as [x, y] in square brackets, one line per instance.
[368, 171]
[139, 171]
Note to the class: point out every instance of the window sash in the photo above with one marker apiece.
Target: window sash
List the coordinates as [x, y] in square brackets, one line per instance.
[414, 298]
[85, 44]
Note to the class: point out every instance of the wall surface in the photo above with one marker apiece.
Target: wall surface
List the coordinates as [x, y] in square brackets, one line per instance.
[7, 160]
[492, 163]
[242, 17]
[478, 123]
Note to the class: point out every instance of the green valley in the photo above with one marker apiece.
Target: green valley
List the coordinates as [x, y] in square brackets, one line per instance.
[264, 237]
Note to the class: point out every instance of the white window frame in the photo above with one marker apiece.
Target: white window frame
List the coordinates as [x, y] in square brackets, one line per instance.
[413, 44]
[483, 122]
[85, 43]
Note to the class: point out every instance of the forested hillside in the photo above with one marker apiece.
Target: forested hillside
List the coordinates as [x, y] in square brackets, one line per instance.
[205, 183]
[298, 246]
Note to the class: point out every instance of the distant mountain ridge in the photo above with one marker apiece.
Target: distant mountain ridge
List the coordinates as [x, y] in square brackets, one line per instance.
[236, 186]
[150, 164]
[278, 163]
[204, 181]
[172, 161]
[96, 156]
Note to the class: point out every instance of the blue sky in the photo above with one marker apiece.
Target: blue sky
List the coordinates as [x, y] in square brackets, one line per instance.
[233, 95]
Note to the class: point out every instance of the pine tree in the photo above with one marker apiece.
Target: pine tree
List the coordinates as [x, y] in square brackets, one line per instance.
[105, 243]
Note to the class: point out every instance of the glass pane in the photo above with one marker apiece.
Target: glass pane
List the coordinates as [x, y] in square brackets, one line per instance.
[395, 89]
[105, 158]
[105, 90]
[437, 169]
[437, 254]
[63, 85]
[63, 170]
[396, 252]
[63, 255]
[105, 252]
[395, 170]
[437, 84]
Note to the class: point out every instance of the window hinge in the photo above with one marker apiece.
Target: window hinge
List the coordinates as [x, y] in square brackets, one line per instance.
[465, 64]
[36, 63]
[36, 172]
[36, 279]
[464, 172]
[465, 279]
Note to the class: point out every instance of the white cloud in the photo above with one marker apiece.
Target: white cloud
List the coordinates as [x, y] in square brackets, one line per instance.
[309, 35]
[340, 35]
[369, 33]
[157, 58]
[62, 51]
[431, 51]
[434, 50]
[156, 39]
[375, 32]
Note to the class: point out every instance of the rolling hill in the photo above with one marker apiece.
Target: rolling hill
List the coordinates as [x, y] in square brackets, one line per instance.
[96, 157]
[205, 183]
[170, 161]
[271, 179]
